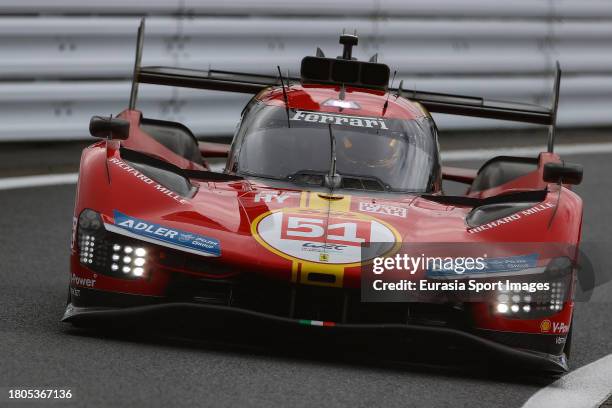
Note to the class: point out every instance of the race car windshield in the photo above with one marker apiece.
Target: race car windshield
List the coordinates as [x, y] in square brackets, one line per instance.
[371, 153]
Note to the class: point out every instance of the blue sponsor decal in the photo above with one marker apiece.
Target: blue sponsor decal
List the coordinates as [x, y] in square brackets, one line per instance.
[510, 263]
[491, 265]
[172, 236]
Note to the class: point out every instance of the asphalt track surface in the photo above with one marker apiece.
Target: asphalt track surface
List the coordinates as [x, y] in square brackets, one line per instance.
[37, 351]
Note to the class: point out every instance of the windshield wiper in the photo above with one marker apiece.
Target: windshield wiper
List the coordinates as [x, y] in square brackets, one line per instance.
[332, 179]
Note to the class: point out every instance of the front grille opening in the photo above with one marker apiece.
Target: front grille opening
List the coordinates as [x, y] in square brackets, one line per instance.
[179, 260]
[314, 303]
[339, 305]
[321, 277]
[214, 294]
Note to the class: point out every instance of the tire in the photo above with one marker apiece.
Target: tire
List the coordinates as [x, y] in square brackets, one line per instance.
[568, 342]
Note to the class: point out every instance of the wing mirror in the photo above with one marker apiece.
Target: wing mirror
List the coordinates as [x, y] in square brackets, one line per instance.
[109, 127]
[564, 172]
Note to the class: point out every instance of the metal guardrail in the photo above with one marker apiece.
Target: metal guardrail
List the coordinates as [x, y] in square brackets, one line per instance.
[65, 60]
[589, 9]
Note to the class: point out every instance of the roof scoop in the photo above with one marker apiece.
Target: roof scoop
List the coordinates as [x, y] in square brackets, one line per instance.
[344, 70]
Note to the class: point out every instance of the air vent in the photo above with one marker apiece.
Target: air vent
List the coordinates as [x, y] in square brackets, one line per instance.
[321, 277]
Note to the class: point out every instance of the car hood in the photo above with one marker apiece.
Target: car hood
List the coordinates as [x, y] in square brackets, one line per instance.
[295, 235]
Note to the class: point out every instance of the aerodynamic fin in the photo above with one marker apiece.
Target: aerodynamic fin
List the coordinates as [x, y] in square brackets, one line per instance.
[137, 61]
[554, 107]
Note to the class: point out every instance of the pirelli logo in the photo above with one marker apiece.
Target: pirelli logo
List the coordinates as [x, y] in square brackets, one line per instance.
[334, 119]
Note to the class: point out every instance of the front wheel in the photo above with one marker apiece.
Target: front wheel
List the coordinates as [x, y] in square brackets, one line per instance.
[568, 341]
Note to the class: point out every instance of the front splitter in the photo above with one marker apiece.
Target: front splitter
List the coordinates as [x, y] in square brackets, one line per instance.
[194, 315]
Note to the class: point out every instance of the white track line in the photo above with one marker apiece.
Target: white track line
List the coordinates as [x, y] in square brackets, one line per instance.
[586, 387]
[448, 156]
[38, 181]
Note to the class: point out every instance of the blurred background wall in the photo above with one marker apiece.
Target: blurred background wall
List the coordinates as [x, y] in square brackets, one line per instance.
[65, 60]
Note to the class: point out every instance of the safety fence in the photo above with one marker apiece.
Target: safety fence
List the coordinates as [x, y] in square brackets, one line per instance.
[65, 60]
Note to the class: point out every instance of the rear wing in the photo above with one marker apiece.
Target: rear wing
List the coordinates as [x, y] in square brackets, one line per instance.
[434, 102]
[214, 80]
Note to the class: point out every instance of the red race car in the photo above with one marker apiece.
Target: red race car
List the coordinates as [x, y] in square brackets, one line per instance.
[327, 173]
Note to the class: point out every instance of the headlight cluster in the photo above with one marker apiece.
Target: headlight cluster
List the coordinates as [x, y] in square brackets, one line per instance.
[523, 304]
[90, 232]
[513, 303]
[557, 296]
[87, 245]
[128, 260]
[108, 253]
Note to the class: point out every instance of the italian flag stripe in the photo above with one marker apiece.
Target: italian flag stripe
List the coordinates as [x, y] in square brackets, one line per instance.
[316, 323]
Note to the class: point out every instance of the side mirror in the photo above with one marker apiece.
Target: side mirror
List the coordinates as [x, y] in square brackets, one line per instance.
[566, 173]
[109, 127]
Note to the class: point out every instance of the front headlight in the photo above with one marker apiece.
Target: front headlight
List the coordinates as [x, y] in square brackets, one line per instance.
[522, 304]
[107, 253]
[528, 305]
